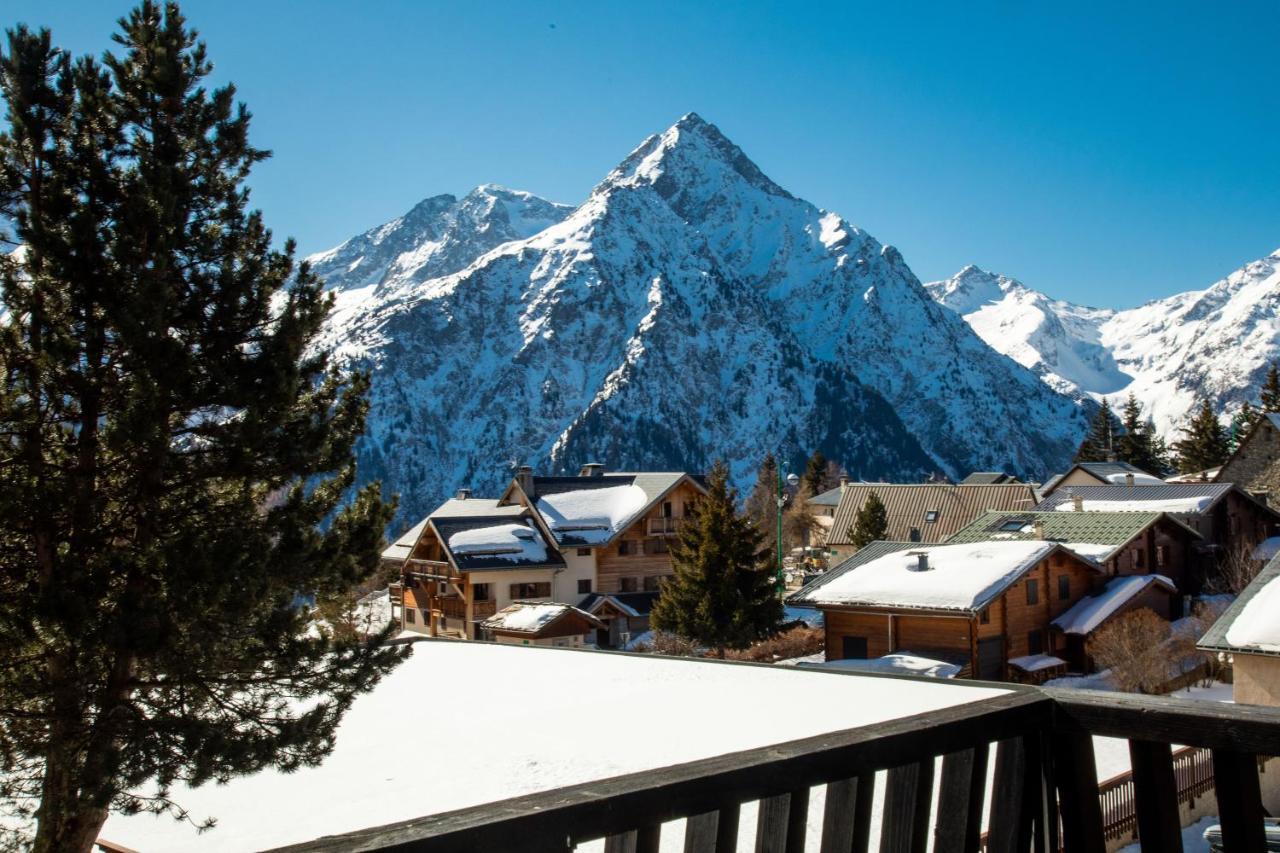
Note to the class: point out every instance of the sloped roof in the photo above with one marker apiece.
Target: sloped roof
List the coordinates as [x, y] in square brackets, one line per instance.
[988, 478]
[907, 505]
[1258, 605]
[452, 508]
[402, 547]
[804, 597]
[1104, 472]
[1163, 498]
[831, 497]
[464, 540]
[650, 487]
[1089, 613]
[963, 577]
[1112, 530]
[535, 618]
[630, 603]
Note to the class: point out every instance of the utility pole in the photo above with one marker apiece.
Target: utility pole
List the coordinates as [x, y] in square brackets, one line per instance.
[791, 480]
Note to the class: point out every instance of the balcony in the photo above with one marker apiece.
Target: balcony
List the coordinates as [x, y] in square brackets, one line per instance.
[452, 608]
[483, 609]
[667, 526]
[429, 569]
[1044, 796]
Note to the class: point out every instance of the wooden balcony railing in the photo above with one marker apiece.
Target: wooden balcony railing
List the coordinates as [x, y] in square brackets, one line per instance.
[665, 526]
[1044, 794]
[453, 608]
[432, 569]
[483, 609]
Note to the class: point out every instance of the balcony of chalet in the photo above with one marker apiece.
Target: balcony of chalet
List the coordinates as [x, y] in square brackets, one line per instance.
[874, 762]
[665, 525]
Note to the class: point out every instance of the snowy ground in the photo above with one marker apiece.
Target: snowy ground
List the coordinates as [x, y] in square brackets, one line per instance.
[1192, 838]
[518, 725]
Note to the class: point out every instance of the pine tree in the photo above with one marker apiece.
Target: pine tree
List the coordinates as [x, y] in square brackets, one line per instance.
[179, 459]
[1135, 444]
[1270, 394]
[723, 594]
[762, 503]
[1099, 444]
[1205, 445]
[815, 473]
[1241, 422]
[870, 523]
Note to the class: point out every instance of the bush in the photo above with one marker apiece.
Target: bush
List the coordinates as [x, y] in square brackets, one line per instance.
[1134, 648]
[795, 643]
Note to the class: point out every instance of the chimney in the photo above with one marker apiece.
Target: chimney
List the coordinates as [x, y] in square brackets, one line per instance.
[463, 494]
[1077, 503]
[1038, 527]
[524, 476]
[592, 469]
[1128, 479]
[844, 482]
[922, 560]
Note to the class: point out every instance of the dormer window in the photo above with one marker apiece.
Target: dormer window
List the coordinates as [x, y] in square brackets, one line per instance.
[930, 516]
[1013, 526]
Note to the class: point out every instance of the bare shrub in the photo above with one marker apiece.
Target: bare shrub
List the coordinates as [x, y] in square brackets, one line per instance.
[797, 642]
[666, 643]
[1235, 570]
[1134, 647]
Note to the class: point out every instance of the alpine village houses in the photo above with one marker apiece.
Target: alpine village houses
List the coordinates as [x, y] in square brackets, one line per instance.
[1011, 586]
[557, 560]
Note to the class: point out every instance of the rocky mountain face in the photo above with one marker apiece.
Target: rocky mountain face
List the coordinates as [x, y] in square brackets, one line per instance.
[689, 309]
[1214, 343]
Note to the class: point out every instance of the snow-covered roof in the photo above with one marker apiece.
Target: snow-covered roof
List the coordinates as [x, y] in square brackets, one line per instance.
[1140, 478]
[1208, 475]
[1034, 663]
[899, 663]
[1097, 535]
[452, 508]
[1180, 498]
[1087, 614]
[593, 516]
[1267, 549]
[1258, 623]
[532, 618]
[959, 577]
[374, 776]
[508, 541]
[402, 547]
[1251, 625]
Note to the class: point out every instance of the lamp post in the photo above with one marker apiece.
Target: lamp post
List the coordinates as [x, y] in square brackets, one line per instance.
[791, 480]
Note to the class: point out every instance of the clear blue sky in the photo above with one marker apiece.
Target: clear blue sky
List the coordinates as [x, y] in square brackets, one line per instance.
[1099, 155]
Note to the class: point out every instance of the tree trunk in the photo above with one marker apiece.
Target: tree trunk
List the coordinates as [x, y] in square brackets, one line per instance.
[65, 822]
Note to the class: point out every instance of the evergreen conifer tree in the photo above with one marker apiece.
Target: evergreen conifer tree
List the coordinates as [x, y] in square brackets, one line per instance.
[815, 473]
[1099, 444]
[1270, 394]
[179, 458]
[870, 523]
[1241, 422]
[1205, 445]
[723, 594]
[1135, 444]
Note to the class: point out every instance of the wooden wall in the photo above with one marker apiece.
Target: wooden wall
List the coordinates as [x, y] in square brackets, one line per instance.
[611, 566]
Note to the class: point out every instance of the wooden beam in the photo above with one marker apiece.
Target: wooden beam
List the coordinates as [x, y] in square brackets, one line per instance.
[771, 824]
[727, 829]
[700, 833]
[961, 795]
[797, 820]
[905, 826]
[1007, 798]
[1155, 794]
[1235, 775]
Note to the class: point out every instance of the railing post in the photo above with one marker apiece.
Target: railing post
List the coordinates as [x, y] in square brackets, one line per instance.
[960, 799]
[1076, 776]
[1239, 801]
[1011, 834]
[905, 828]
[771, 824]
[1155, 797]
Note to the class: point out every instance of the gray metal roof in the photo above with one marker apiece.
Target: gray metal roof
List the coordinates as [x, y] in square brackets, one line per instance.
[1136, 494]
[1215, 639]
[934, 510]
[831, 497]
[868, 553]
[1114, 529]
[988, 478]
[1103, 469]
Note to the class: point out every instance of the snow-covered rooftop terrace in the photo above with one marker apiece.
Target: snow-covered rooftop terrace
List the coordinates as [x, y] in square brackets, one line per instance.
[402, 754]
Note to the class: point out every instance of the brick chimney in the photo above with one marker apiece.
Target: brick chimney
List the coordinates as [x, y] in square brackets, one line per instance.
[1128, 479]
[1077, 503]
[1038, 527]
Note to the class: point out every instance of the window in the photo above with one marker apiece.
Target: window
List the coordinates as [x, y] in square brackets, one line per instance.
[930, 516]
[1160, 556]
[409, 616]
[650, 583]
[1064, 587]
[481, 592]
[584, 552]
[1033, 591]
[624, 548]
[667, 509]
[853, 648]
[984, 618]
[1014, 526]
[530, 590]
[584, 586]
[914, 536]
[628, 584]
[1137, 558]
[1035, 642]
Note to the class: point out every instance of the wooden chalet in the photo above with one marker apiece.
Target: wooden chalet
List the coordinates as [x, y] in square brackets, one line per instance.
[539, 624]
[1228, 519]
[1248, 635]
[1100, 474]
[594, 534]
[1118, 596]
[1255, 464]
[985, 605]
[928, 513]
[1124, 543]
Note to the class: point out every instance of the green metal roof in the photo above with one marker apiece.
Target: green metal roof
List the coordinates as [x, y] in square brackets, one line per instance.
[1099, 528]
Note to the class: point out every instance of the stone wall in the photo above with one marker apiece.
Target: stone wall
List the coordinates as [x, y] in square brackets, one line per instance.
[1256, 466]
